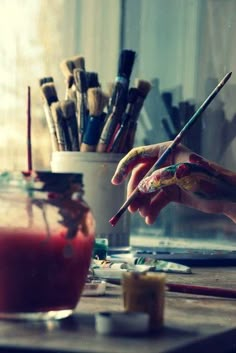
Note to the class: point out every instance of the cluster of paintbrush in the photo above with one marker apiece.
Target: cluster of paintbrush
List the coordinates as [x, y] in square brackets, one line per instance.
[177, 117]
[88, 119]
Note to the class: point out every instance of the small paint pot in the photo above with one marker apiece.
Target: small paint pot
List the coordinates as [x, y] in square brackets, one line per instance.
[145, 292]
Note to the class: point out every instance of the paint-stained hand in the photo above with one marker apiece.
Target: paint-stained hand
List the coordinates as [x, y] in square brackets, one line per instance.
[185, 178]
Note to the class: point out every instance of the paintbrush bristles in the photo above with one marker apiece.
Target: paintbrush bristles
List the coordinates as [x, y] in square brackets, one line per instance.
[143, 86]
[57, 118]
[49, 92]
[92, 79]
[67, 67]
[68, 108]
[97, 100]
[44, 80]
[78, 62]
[80, 80]
[126, 62]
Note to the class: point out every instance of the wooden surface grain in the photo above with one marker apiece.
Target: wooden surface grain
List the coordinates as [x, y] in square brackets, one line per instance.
[192, 323]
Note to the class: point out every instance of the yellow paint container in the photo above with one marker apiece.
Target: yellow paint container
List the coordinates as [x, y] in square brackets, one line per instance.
[145, 292]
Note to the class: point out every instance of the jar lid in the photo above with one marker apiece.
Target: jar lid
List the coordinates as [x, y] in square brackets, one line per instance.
[51, 181]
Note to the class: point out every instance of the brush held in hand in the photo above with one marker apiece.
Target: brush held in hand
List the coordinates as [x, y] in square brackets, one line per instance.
[171, 147]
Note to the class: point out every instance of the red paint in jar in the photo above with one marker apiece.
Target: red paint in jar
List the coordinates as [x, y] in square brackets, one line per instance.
[42, 269]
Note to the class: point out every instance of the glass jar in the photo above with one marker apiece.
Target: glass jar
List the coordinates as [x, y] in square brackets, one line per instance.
[46, 241]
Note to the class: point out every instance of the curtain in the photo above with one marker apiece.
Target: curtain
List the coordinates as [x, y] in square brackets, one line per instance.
[35, 35]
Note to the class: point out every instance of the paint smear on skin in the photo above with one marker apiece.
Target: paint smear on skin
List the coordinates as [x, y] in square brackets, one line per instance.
[191, 178]
[161, 178]
[135, 156]
[218, 171]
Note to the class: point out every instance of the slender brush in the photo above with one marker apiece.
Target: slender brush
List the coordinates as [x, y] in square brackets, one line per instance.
[120, 89]
[118, 100]
[29, 146]
[97, 100]
[67, 66]
[81, 98]
[201, 290]
[49, 95]
[143, 88]
[64, 143]
[171, 147]
[120, 137]
[69, 114]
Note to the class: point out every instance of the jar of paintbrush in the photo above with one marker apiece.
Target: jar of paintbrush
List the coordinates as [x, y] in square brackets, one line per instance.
[91, 131]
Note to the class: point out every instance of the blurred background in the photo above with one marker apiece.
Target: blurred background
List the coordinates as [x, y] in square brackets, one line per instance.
[184, 47]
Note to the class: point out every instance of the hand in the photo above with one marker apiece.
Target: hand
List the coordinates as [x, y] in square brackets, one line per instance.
[185, 178]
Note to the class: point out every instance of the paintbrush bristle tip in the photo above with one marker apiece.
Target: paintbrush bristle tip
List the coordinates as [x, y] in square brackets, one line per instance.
[113, 221]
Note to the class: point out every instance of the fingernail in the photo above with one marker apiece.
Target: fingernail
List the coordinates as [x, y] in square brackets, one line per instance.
[116, 179]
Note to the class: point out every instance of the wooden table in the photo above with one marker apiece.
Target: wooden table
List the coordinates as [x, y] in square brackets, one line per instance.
[192, 323]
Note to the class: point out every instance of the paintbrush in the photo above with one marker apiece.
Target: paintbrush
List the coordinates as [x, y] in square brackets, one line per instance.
[29, 146]
[69, 114]
[63, 139]
[49, 95]
[92, 79]
[171, 147]
[201, 290]
[144, 88]
[118, 100]
[120, 137]
[97, 100]
[81, 99]
[45, 80]
[78, 62]
[120, 90]
[67, 66]
[109, 128]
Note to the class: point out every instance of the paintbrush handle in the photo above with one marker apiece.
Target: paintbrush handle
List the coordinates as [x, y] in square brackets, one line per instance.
[91, 135]
[188, 125]
[108, 131]
[51, 127]
[72, 129]
[201, 290]
[171, 147]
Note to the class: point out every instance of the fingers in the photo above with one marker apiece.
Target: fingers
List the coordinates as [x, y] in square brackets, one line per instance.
[145, 154]
[160, 178]
[158, 201]
[137, 174]
[151, 210]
